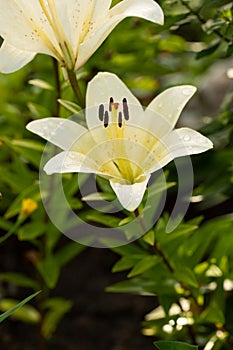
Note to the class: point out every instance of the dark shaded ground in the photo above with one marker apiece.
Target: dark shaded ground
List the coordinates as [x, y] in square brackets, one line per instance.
[98, 320]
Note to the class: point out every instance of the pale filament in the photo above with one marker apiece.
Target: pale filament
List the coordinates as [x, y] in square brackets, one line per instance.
[62, 40]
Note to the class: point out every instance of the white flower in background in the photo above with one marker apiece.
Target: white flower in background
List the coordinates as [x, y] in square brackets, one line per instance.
[69, 30]
[123, 142]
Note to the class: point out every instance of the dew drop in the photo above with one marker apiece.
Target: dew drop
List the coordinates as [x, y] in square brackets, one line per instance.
[186, 92]
[53, 133]
[186, 138]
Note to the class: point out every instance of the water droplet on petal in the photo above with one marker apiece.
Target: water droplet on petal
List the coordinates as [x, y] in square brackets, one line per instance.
[186, 138]
[186, 92]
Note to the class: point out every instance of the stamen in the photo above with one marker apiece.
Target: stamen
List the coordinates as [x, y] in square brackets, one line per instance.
[110, 104]
[125, 109]
[120, 119]
[106, 119]
[101, 112]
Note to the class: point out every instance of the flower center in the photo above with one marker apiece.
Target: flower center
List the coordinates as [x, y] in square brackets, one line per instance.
[114, 123]
[114, 118]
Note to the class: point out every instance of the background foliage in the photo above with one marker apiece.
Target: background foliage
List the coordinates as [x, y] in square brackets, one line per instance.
[189, 272]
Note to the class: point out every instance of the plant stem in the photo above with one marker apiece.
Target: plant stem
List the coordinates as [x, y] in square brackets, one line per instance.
[164, 258]
[156, 246]
[76, 89]
[57, 86]
[203, 21]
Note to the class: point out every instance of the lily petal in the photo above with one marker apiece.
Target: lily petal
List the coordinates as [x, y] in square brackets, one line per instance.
[169, 104]
[178, 143]
[27, 20]
[130, 195]
[70, 162]
[12, 59]
[75, 162]
[75, 18]
[61, 132]
[147, 9]
[100, 89]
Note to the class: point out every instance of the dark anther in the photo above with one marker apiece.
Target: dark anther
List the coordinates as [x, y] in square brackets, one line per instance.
[120, 119]
[125, 109]
[106, 119]
[101, 112]
[110, 104]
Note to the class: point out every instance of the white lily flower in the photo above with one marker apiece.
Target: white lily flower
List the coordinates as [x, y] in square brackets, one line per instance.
[123, 142]
[69, 30]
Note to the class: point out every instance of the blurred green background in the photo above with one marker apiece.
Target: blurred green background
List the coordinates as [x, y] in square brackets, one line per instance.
[191, 301]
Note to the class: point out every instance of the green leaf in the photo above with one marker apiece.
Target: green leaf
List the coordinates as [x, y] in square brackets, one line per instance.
[186, 276]
[70, 106]
[5, 225]
[19, 279]
[124, 263]
[213, 313]
[174, 345]
[208, 51]
[165, 301]
[15, 207]
[37, 110]
[49, 270]
[229, 50]
[57, 308]
[18, 182]
[99, 196]
[125, 221]
[144, 265]
[13, 306]
[29, 149]
[136, 286]
[42, 84]
[31, 231]
[149, 238]
[107, 220]
[218, 3]
[130, 249]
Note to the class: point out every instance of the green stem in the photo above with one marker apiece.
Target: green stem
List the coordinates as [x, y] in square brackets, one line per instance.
[156, 246]
[13, 229]
[164, 258]
[58, 87]
[76, 89]
[203, 21]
